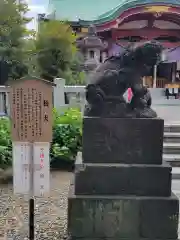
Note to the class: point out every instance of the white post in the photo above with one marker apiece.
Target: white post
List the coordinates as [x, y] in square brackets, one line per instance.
[1, 103]
[7, 104]
[144, 81]
[59, 99]
[82, 102]
[155, 76]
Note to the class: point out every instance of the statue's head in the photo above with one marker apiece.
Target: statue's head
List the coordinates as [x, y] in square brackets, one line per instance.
[148, 53]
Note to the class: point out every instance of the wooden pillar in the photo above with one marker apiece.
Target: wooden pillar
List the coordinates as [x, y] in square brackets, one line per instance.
[144, 81]
[155, 76]
[174, 67]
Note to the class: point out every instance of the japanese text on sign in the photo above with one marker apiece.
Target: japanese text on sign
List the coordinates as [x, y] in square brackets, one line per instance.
[31, 112]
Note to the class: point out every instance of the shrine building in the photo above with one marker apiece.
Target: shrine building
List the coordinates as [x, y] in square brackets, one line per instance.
[119, 23]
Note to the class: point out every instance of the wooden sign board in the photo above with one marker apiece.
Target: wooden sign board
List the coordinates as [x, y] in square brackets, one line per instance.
[31, 110]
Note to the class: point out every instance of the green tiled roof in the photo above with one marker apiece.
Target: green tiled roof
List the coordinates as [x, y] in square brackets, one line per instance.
[98, 11]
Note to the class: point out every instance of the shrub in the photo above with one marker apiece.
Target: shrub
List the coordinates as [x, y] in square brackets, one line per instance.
[67, 136]
[5, 143]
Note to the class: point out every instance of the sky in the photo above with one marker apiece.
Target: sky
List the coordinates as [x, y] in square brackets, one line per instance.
[35, 6]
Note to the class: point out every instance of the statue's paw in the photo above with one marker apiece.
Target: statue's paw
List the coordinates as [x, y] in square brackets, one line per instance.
[146, 113]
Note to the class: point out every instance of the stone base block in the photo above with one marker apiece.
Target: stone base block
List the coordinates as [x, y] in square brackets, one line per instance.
[120, 140]
[114, 217]
[123, 179]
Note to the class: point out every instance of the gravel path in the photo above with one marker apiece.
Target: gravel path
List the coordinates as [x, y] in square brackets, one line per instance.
[50, 214]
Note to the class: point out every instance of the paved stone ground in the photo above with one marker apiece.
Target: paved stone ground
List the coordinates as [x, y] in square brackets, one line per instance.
[51, 213]
[167, 112]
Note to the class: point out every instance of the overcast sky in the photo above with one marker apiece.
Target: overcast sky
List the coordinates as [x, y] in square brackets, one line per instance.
[36, 6]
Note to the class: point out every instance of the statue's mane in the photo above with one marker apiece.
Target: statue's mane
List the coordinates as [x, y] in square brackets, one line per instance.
[138, 56]
[124, 59]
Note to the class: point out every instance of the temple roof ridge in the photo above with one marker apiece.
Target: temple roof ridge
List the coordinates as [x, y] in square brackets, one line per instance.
[127, 4]
[99, 12]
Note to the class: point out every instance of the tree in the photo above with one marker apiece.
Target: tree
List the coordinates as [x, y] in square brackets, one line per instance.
[12, 33]
[55, 46]
[30, 56]
[74, 74]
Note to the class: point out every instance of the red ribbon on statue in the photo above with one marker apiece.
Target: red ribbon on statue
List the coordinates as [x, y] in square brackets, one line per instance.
[129, 93]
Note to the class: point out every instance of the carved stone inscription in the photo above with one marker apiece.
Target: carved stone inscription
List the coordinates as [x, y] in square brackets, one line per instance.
[119, 218]
[31, 106]
[109, 139]
[119, 140]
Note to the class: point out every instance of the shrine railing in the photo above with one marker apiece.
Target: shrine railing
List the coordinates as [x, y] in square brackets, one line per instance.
[160, 83]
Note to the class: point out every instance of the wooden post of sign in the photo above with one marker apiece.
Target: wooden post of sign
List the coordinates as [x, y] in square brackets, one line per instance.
[31, 128]
[31, 197]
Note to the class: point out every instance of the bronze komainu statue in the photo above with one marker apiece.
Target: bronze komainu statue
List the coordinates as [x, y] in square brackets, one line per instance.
[109, 82]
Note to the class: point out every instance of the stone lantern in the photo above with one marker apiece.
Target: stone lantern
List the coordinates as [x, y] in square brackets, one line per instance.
[91, 47]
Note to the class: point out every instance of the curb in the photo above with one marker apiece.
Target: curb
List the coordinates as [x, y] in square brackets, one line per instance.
[176, 176]
[176, 173]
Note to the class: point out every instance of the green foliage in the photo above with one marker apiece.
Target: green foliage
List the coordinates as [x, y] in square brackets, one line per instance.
[77, 77]
[30, 57]
[5, 143]
[75, 73]
[55, 48]
[67, 137]
[12, 32]
[55, 55]
[70, 116]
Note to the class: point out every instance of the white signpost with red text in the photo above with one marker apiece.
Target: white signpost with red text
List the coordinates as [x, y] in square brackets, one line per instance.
[42, 173]
[21, 168]
[31, 127]
[21, 162]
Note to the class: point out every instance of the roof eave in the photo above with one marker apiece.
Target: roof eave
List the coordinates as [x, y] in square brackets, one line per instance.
[118, 10]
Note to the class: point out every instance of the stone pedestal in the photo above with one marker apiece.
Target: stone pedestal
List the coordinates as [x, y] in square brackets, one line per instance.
[121, 190]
